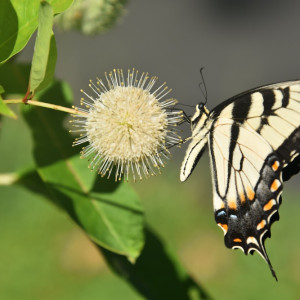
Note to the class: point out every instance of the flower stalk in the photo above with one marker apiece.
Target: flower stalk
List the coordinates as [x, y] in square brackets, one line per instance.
[73, 110]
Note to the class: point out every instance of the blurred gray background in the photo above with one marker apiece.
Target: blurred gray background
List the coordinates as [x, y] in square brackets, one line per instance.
[241, 43]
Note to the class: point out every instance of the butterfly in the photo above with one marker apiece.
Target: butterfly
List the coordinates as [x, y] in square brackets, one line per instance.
[254, 143]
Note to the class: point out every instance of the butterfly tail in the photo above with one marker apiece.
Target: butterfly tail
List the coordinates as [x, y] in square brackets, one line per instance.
[262, 251]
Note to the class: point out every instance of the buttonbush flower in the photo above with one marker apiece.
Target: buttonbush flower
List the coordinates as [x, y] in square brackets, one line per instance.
[128, 124]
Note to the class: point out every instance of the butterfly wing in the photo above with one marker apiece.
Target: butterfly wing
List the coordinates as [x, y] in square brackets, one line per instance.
[254, 145]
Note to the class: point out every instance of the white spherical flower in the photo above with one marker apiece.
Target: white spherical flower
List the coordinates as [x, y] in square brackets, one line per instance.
[128, 124]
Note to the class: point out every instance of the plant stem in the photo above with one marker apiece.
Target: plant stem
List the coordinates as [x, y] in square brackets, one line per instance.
[46, 105]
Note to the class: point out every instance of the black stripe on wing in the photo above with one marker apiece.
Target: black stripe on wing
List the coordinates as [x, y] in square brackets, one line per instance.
[244, 97]
[233, 138]
[241, 108]
[269, 100]
[286, 96]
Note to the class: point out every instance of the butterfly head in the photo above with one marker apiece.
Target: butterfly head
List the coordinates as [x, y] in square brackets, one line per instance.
[200, 116]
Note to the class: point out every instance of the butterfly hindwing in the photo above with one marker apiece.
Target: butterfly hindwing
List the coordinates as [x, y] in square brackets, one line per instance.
[246, 203]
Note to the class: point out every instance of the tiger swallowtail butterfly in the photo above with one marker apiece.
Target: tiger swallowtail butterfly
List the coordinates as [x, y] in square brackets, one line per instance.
[254, 144]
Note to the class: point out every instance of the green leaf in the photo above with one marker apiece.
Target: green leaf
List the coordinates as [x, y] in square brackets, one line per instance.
[110, 212]
[50, 68]
[41, 56]
[4, 109]
[18, 21]
[157, 274]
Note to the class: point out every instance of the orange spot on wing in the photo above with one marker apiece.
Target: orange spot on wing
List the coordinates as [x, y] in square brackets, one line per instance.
[232, 204]
[261, 224]
[275, 165]
[237, 240]
[250, 193]
[242, 197]
[224, 226]
[269, 205]
[275, 185]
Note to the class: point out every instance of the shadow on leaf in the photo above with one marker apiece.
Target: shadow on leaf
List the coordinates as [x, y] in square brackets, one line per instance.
[156, 274]
[52, 141]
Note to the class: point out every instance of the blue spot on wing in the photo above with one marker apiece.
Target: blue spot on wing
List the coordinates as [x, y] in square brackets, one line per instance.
[221, 213]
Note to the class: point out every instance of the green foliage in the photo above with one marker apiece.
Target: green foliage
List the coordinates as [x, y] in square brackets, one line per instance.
[18, 24]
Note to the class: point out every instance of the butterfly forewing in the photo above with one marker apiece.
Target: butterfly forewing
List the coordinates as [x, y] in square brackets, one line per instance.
[254, 143]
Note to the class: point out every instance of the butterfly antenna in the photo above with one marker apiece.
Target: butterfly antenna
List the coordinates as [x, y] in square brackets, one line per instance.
[202, 86]
[181, 104]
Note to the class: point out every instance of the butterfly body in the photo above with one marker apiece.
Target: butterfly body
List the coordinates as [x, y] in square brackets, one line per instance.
[254, 144]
